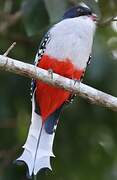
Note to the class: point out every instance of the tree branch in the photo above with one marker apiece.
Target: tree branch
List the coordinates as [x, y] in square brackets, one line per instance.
[9, 49]
[31, 71]
[107, 21]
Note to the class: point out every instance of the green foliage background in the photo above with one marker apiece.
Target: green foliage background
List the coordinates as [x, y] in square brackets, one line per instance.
[86, 140]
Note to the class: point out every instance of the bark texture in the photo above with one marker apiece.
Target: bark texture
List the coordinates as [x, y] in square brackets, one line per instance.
[92, 95]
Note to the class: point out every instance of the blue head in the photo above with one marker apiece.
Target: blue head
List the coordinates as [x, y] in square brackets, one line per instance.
[77, 11]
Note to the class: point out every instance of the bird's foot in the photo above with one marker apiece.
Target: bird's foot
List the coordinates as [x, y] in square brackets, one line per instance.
[76, 81]
[71, 99]
[50, 72]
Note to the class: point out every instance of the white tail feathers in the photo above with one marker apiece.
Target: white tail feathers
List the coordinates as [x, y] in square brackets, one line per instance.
[38, 146]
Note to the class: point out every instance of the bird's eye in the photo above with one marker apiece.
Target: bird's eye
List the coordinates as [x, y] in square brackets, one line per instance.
[84, 11]
[79, 10]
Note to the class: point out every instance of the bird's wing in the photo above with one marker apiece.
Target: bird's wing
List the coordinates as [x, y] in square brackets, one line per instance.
[38, 57]
[42, 48]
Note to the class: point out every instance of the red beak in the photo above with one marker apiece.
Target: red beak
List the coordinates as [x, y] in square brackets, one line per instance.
[94, 17]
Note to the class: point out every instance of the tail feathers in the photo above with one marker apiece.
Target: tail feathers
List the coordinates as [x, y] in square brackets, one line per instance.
[44, 151]
[38, 146]
[30, 147]
[41, 163]
[37, 153]
[28, 159]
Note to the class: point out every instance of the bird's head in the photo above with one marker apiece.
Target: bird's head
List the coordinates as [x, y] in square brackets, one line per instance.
[80, 10]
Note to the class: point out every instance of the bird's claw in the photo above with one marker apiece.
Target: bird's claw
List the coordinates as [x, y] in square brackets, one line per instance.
[50, 72]
[76, 81]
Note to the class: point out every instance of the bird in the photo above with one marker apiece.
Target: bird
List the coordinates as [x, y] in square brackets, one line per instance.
[65, 50]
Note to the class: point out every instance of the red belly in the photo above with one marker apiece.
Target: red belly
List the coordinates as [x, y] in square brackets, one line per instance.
[50, 98]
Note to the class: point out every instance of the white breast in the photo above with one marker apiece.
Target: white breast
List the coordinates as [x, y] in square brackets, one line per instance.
[72, 39]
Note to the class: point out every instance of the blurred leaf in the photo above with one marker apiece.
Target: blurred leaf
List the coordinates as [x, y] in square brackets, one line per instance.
[23, 121]
[108, 8]
[33, 11]
[113, 43]
[56, 9]
[93, 5]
